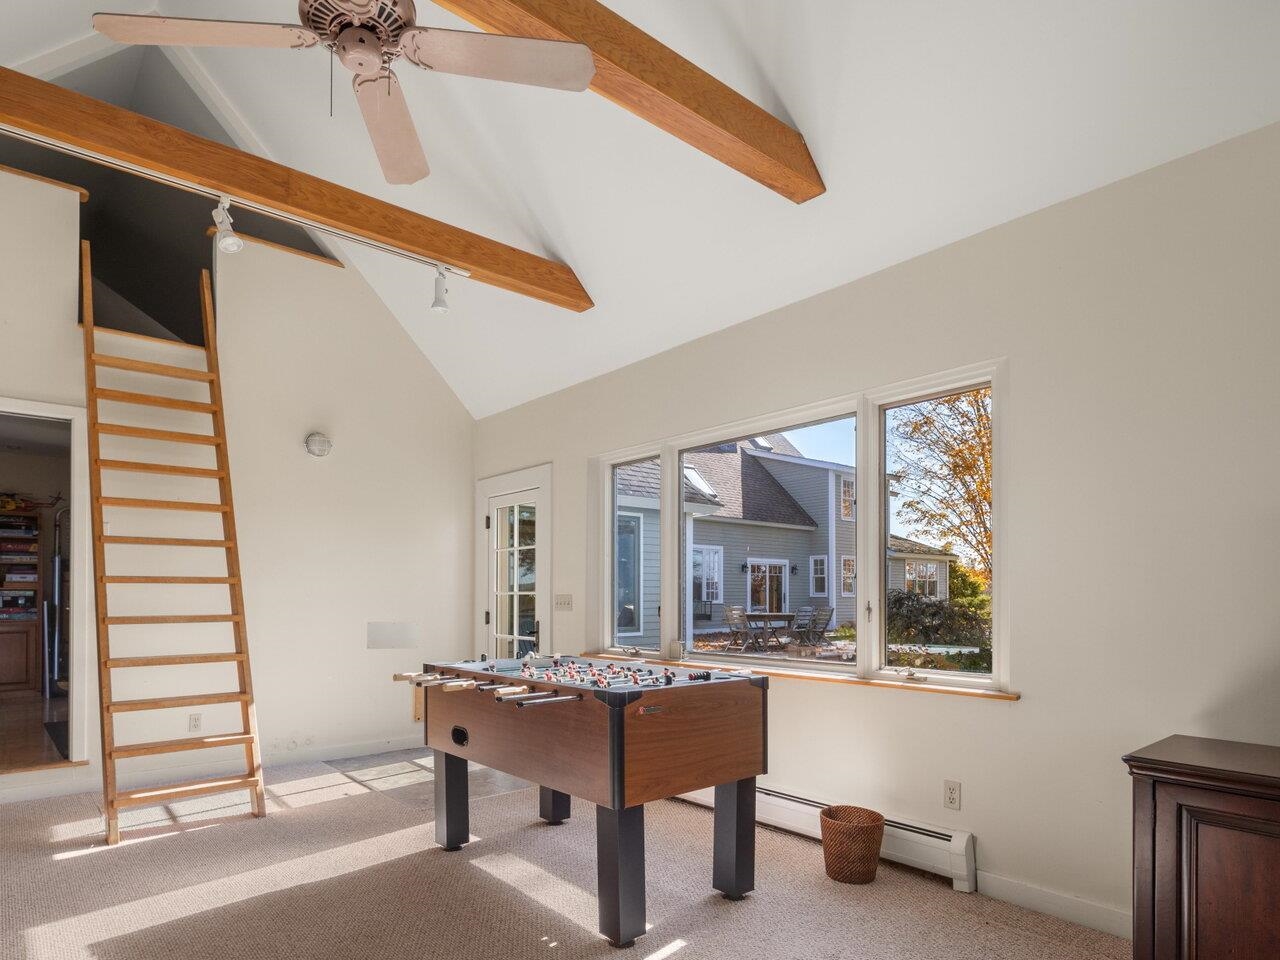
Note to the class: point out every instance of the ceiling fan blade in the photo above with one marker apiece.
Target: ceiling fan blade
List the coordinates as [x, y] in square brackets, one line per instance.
[177, 32]
[542, 63]
[395, 138]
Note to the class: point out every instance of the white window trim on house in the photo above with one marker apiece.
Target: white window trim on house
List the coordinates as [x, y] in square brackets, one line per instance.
[853, 498]
[870, 540]
[813, 591]
[843, 578]
[718, 553]
[786, 582]
[639, 631]
[911, 575]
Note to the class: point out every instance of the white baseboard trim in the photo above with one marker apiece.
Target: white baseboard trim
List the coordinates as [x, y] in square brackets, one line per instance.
[1062, 905]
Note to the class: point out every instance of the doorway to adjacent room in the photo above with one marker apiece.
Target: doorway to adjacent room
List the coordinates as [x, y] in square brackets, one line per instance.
[41, 674]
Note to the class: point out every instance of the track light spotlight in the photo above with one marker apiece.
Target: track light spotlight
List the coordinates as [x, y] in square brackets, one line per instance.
[441, 303]
[227, 240]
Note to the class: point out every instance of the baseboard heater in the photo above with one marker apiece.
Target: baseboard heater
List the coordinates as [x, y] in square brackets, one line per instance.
[948, 853]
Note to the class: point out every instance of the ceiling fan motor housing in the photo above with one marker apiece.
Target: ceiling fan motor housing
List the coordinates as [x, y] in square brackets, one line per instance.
[359, 50]
[386, 20]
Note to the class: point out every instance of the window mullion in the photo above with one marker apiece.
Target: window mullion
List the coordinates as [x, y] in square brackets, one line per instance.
[672, 576]
[869, 535]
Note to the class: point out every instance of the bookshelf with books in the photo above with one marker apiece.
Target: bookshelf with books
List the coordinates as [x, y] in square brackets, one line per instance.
[21, 598]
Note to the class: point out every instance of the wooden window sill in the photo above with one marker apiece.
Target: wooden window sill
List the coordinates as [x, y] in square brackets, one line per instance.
[822, 676]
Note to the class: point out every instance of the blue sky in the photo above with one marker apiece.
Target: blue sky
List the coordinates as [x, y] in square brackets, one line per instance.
[833, 441]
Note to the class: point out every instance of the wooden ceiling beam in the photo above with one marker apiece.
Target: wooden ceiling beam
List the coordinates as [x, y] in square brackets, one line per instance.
[32, 106]
[654, 82]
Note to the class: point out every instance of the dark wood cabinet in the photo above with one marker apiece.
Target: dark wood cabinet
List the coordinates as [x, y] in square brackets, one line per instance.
[1206, 850]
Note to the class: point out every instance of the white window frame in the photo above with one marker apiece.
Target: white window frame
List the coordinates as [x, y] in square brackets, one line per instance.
[853, 499]
[786, 582]
[854, 578]
[906, 579]
[869, 484]
[639, 631]
[826, 578]
[709, 550]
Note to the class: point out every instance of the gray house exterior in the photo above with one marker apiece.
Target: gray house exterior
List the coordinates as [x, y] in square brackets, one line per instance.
[764, 528]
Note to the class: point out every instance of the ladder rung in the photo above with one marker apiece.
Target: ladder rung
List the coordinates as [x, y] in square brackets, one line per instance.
[153, 400]
[177, 618]
[145, 366]
[172, 469]
[178, 746]
[226, 580]
[168, 703]
[178, 791]
[137, 504]
[173, 660]
[149, 339]
[169, 542]
[146, 433]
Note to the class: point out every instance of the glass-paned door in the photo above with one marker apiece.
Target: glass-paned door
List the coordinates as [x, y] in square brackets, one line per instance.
[767, 586]
[517, 580]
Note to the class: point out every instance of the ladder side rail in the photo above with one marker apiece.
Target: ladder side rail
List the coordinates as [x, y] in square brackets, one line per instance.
[110, 810]
[252, 751]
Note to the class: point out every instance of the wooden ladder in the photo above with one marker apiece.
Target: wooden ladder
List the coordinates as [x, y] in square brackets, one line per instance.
[115, 799]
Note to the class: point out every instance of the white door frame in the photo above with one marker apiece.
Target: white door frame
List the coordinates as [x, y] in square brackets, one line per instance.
[786, 581]
[497, 486]
[84, 669]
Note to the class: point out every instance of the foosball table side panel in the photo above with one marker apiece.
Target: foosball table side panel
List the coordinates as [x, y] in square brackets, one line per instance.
[679, 740]
[564, 746]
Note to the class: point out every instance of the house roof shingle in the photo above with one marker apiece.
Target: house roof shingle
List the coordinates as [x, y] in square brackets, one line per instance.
[746, 489]
[644, 479]
[903, 545]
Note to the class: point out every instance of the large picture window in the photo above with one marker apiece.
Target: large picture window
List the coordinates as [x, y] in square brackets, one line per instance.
[769, 536]
[771, 504]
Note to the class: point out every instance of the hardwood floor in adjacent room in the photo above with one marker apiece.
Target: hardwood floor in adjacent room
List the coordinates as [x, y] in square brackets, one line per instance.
[24, 740]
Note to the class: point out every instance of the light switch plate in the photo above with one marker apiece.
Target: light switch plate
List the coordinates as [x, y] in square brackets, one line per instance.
[564, 601]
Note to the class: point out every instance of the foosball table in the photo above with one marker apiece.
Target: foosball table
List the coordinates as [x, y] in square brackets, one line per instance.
[614, 733]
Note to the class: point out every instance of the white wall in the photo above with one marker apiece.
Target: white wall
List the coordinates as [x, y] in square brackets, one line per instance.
[1140, 327]
[378, 531]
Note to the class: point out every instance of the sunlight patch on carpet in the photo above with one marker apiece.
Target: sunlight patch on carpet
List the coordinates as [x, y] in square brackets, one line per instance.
[557, 895]
[74, 937]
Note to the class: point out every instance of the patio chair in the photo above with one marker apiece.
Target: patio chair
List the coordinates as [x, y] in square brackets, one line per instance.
[817, 630]
[800, 626]
[741, 634]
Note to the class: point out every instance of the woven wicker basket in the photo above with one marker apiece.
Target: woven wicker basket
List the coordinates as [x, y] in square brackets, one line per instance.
[851, 839]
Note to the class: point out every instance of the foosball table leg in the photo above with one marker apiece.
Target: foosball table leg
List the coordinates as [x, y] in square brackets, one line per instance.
[553, 806]
[734, 870]
[452, 826]
[620, 873]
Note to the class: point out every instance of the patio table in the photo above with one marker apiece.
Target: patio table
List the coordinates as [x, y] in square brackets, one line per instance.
[771, 622]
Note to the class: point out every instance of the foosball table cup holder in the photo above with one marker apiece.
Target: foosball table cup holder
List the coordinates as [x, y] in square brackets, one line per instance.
[459, 736]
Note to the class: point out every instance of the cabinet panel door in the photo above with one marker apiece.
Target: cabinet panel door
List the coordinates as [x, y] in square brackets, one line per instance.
[15, 655]
[1217, 875]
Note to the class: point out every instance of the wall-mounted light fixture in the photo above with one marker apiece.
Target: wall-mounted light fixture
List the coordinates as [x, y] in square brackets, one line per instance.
[318, 445]
[745, 566]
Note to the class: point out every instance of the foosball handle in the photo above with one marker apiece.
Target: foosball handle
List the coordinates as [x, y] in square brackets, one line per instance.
[509, 691]
[455, 685]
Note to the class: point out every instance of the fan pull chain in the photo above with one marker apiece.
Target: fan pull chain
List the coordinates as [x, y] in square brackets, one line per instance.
[332, 55]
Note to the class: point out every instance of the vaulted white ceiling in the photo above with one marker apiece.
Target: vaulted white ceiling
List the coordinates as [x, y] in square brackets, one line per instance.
[928, 121]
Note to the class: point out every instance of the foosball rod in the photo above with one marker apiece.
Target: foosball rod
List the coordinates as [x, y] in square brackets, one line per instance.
[534, 703]
[517, 697]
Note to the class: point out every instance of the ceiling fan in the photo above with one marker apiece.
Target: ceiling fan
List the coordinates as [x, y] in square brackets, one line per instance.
[367, 37]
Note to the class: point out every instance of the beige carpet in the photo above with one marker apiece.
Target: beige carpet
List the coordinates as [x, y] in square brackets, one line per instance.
[345, 867]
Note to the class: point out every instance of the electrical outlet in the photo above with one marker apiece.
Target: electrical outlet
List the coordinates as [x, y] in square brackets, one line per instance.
[951, 794]
[193, 723]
